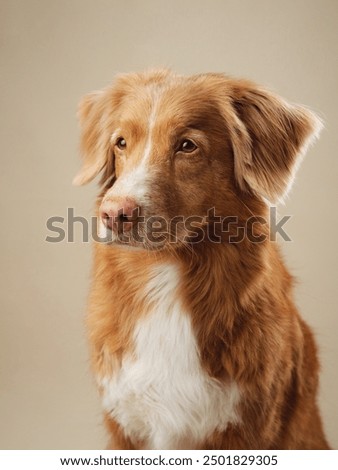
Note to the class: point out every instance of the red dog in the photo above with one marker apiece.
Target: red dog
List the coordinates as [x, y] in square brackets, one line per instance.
[196, 341]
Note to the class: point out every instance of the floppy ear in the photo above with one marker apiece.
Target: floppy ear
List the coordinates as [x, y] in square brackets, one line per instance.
[269, 138]
[95, 136]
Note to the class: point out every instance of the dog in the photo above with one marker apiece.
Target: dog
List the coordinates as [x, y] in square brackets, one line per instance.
[195, 339]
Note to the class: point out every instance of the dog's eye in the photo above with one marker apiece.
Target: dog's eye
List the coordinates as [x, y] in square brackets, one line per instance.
[121, 143]
[187, 146]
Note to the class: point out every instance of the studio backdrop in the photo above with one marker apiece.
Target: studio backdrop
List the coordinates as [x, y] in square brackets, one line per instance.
[54, 52]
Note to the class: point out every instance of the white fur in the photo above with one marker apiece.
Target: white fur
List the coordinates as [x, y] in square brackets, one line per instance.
[134, 183]
[151, 124]
[161, 394]
[104, 233]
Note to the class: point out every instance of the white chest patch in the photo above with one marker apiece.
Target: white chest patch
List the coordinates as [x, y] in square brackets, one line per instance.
[162, 395]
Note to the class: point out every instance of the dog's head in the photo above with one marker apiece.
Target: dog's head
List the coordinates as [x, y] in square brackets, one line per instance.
[170, 148]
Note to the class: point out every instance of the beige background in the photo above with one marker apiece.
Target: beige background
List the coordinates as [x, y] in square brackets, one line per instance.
[52, 52]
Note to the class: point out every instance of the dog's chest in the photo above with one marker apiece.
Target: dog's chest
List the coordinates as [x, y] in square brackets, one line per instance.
[161, 394]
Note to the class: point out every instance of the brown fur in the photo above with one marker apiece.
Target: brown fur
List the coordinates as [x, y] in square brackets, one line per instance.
[239, 295]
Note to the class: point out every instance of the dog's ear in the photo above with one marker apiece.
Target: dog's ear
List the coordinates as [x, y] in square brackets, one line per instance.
[94, 117]
[269, 137]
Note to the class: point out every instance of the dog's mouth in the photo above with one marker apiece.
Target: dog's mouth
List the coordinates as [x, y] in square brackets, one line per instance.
[132, 235]
[152, 233]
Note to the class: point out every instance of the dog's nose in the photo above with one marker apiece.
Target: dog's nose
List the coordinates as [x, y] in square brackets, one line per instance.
[120, 214]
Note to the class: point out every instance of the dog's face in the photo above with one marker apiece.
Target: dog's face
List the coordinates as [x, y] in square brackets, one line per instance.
[171, 148]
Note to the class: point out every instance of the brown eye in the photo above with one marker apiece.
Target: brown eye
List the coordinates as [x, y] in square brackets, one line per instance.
[187, 146]
[121, 143]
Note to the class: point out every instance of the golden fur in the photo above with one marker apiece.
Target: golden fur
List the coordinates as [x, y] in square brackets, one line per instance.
[239, 295]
